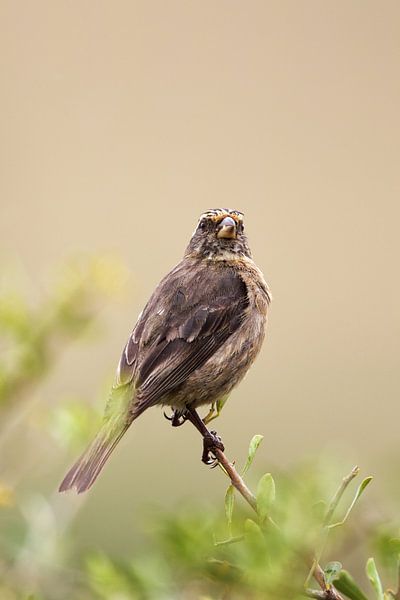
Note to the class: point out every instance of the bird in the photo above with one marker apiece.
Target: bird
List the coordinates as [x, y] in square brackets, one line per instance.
[194, 341]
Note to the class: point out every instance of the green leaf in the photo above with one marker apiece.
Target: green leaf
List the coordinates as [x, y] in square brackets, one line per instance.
[251, 528]
[359, 491]
[332, 570]
[265, 495]
[373, 576]
[346, 584]
[229, 504]
[253, 447]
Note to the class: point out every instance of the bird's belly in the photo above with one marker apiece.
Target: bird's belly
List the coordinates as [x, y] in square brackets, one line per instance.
[225, 369]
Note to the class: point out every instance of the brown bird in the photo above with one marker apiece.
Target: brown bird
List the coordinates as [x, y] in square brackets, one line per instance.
[193, 343]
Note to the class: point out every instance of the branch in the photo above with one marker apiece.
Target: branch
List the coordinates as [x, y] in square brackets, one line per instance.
[236, 479]
[338, 494]
[329, 593]
[316, 570]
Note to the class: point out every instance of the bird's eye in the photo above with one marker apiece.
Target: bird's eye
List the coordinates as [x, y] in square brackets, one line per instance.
[202, 224]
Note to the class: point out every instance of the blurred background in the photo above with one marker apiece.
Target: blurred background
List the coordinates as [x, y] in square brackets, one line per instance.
[120, 123]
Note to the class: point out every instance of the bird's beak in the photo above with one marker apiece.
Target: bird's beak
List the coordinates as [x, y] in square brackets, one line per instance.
[227, 229]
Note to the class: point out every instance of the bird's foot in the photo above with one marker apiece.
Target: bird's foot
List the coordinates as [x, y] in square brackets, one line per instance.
[210, 416]
[177, 418]
[211, 442]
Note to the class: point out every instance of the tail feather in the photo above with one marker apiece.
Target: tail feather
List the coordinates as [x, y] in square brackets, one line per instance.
[86, 469]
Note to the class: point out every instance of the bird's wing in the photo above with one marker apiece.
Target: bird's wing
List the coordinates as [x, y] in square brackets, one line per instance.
[190, 315]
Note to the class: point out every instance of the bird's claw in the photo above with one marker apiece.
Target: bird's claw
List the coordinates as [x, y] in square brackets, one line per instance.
[214, 463]
[177, 419]
[211, 442]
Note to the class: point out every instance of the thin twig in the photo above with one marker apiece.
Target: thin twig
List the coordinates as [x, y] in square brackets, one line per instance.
[329, 593]
[338, 494]
[236, 479]
[315, 568]
[232, 540]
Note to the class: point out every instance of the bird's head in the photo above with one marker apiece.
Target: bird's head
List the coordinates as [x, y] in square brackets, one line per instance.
[219, 235]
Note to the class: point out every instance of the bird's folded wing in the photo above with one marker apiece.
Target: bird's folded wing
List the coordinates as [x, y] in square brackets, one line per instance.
[188, 318]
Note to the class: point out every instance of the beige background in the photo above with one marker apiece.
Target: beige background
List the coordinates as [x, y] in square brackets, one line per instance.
[122, 121]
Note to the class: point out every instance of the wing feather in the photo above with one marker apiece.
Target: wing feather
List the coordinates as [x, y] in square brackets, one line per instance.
[188, 335]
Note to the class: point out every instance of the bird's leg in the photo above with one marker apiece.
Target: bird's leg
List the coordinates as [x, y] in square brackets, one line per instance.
[210, 416]
[177, 418]
[215, 410]
[211, 440]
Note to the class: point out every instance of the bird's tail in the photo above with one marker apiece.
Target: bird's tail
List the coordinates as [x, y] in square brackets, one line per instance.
[86, 469]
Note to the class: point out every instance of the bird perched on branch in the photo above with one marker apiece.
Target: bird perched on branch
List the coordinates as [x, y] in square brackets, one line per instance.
[192, 344]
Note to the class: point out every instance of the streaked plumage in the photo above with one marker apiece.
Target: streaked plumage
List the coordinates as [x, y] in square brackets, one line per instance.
[194, 341]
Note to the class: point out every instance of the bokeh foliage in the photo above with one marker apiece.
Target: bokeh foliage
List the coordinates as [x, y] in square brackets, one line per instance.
[200, 551]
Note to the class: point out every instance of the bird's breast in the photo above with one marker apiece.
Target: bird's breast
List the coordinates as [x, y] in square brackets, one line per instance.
[228, 365]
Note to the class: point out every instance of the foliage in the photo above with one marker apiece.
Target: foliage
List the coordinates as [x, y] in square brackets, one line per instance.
[31, 336]
[200, 551]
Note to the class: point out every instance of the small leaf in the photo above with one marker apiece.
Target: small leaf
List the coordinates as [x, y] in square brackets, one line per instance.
[223, 568]
[229, 504]
[253, 447]
[373, 576]
[265, 495]
[332, 570]
[346, 584]
[252, 528]
[359, 491]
